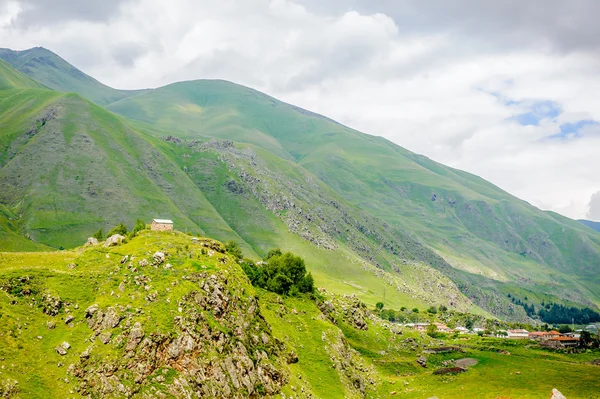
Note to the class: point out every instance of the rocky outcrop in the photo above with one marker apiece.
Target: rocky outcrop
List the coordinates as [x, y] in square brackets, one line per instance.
[218, 344]
[8, 389]
[51, 304]
[113, 240]
[91, 241]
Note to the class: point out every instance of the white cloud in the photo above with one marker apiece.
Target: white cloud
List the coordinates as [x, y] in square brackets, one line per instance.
[441, 92]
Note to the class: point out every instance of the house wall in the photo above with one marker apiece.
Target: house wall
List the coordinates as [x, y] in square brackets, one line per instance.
[161, 227]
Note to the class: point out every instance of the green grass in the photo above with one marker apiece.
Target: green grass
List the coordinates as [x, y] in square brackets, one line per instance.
[376, 354]
[368, 198]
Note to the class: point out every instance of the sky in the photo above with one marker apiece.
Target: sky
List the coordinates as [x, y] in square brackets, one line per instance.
[508, 90]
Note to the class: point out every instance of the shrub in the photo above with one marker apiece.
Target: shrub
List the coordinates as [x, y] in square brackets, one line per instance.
[139, 226]
[234, 249]
[415, 310]
[284, 274]
[431, 330]
[118, 229]
[99, 235]
[432, 310]
[379, 306]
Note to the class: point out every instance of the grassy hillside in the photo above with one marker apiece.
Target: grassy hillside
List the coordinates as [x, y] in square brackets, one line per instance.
[591, 224]
[10, 78]
[476, 227]
[234, 163]
[53, 72]
[124, 322]
[68, 167]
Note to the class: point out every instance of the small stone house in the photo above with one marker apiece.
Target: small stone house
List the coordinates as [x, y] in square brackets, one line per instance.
[520, 333]
[161, 225]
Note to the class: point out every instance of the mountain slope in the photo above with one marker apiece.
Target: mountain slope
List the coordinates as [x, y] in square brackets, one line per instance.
[13, 79]
[590, 224]
[475, 226]
[68, 167]
[365, 212]
[53, 72]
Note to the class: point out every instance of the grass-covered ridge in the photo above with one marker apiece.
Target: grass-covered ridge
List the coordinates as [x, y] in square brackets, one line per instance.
[232, 163]
[166, 314]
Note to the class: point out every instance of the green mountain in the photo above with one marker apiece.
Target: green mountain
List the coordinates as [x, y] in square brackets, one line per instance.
[227, 161]
[592, 225]
[55, 73]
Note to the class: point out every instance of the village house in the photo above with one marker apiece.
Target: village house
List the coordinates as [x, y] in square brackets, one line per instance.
[517, 334]
[161, 225]
[461, 330]
[543, 335]
[561, 342]
[442, 328]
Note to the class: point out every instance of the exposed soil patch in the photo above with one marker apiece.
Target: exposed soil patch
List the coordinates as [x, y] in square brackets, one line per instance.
[466, 362]
[449, 370]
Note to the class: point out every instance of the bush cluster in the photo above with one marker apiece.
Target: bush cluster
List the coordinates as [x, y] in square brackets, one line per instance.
[282, 273]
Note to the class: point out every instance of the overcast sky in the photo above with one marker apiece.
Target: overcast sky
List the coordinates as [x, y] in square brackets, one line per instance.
[508, 90]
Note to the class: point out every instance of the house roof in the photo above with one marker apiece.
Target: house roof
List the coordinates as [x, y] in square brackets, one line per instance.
[542, 333]
[163, 221]
[564, 339]
[521, 331]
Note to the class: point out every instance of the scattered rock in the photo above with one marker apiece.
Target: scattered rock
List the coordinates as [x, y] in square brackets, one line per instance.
[71, 266]
[91, 241]
[89, 312]
[50, 324]
[51, 305]
[105, 337]
[159, 258]
[115, 239]
[135, 337]
[60, 350]
[125, 259]
[292, 357]
[69, 319]
[143, 263]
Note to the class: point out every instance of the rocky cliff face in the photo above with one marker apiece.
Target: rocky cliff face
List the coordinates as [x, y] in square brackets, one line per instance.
[213, 341]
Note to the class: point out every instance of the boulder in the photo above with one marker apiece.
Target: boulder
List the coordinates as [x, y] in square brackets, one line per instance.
[136, 335]
[69, 319]
[105, 337]
[115, 239]
[422, 361]
[60, 350]
[66, 345]
[91, 241]
[159, 257]
[89, 312]
[557, 395]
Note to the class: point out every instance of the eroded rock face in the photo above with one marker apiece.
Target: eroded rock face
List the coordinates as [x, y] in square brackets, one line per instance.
[210, 345]
[91, 241]
[113, 240]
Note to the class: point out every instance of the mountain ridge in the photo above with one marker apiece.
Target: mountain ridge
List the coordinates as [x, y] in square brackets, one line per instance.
[383, 208]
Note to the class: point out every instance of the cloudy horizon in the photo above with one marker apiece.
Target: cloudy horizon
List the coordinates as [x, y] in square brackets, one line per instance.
[504, 90]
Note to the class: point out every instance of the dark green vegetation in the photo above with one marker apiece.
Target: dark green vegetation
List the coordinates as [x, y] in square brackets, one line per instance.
[166, 314]
[282, 273]
[229, 162]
